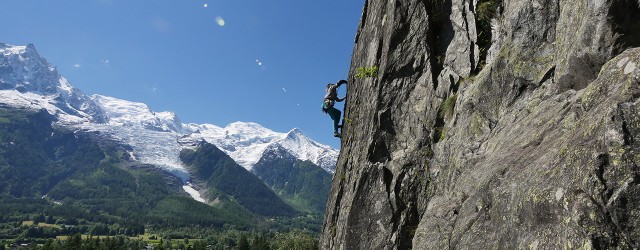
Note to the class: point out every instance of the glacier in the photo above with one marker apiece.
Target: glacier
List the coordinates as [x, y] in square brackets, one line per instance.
[156, 138]
[193, 192]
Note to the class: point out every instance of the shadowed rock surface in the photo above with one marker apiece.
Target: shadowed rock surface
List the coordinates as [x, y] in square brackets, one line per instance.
[529, 142]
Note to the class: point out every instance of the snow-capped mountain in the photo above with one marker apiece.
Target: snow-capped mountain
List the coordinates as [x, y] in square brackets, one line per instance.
[306, 149]
[125, 113]
[246, 143]
[158, 137]
[27, 80]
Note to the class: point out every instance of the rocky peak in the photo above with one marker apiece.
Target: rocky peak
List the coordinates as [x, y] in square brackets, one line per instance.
[294, 134]
[26, 71]
[518, 139]
[306, 149]
[22, 69]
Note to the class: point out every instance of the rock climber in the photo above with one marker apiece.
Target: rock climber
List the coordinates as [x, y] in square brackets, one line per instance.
[330, 98]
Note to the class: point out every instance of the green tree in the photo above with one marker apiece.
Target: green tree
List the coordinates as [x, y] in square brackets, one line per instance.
[199, 245]
[57, 244]
[136, 244]
[50, 220]
[47, 245]
[243, 243]
[295, 239]
[110, 243]
[97, 243]
[260, 242]
[38, 218]
[74, 242]
[160, 244]
[90, 243]
[167, 244]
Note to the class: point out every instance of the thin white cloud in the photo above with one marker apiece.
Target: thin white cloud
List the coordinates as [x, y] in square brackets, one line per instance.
[161, 25]
[77, 65]
[220, 21]
[152, 88]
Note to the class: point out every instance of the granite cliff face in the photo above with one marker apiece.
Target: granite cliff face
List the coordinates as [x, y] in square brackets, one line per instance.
[491, 124]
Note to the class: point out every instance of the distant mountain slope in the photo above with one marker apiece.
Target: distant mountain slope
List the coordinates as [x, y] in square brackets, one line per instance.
[27, 80]
[302, 183]
[34, 157]
[92, 149]
[246, 143]
[224, 177]
[75, 177]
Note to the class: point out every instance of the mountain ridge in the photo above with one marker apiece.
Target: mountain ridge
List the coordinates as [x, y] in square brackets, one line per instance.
[224, 176]
[114, 149]
[123, 120]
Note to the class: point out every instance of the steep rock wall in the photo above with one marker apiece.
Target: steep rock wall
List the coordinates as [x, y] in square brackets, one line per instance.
[531, 146]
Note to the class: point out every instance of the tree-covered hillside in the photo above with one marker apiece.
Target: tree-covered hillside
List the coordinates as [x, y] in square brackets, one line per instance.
[83, 185]
[302, 183]
[227, 179]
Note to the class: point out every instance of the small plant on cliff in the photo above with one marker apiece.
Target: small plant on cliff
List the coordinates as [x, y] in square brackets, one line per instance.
[448, 106]
[440, 133]
[428, 152]
[364, 72]
[486, 10]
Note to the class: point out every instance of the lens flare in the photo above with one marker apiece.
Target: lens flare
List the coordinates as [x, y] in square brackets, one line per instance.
[220, 21]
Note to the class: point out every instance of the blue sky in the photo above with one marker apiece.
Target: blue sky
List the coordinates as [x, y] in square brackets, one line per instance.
[209, 61]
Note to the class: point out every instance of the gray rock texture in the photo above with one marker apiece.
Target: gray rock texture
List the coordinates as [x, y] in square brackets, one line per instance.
[536, 146]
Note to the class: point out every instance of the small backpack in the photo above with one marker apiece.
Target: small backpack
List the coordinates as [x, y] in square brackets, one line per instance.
[327, 102]
[324, 107]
